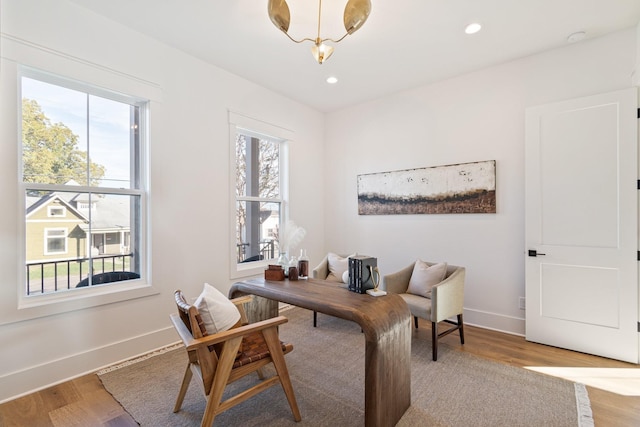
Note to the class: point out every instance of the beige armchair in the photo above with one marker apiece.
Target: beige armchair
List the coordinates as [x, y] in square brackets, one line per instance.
[322, 271]
[446, 300]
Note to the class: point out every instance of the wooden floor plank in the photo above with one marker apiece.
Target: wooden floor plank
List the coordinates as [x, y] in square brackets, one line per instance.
[79, 402]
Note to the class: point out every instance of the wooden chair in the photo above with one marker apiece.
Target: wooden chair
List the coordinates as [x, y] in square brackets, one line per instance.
[223, 358]
[446, 300]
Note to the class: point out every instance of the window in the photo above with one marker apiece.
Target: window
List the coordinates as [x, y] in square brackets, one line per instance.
[259, 165]
[55, 241]
[82, 179]
[58, 211]
[258, 202]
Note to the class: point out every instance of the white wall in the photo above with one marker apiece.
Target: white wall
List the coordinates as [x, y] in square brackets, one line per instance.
[636, 71]
[474, 117]
[189, 180]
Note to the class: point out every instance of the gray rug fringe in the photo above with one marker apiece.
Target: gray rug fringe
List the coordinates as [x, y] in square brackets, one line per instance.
[140, 358]
[585, 416]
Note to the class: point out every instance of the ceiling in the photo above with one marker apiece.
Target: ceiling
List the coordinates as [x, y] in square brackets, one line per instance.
[403, 44]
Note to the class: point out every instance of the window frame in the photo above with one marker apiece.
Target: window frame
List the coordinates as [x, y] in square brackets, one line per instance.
[50, 209]
[63, 301]
[64, 238]
[261, 129]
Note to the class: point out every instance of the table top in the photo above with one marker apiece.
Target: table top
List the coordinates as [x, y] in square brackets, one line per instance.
[375, 315]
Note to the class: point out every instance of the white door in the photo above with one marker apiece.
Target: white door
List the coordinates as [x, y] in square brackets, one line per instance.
[581, 225]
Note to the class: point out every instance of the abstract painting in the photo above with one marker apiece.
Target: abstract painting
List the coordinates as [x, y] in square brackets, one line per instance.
[460, 188]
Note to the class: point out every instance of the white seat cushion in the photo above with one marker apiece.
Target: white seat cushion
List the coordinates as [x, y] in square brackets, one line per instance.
[419, 306]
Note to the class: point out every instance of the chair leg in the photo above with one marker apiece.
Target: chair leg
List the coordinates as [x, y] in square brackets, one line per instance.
[183, 388]
[415, 321]
[434, 333]
[434, 340]
[273, 342]
[220, 379]
[315, 319]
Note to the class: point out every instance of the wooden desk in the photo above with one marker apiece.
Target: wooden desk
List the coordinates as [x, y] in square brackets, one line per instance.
[385, 321]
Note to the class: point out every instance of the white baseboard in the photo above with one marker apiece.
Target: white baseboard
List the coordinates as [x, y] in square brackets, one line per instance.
[494, 321]
[284, 307]
[19, 383]
[481, 319]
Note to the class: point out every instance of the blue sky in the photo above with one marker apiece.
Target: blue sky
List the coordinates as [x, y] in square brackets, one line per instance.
[108, 130]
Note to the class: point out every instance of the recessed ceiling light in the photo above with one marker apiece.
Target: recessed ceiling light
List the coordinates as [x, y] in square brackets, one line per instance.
[472, 28]
[576, 37]
[332, 80]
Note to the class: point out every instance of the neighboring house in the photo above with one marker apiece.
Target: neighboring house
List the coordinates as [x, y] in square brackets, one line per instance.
[110, 222]
[57, 226]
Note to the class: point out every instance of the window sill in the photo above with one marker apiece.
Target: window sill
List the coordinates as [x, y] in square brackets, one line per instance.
[255, 268]
[32, 307]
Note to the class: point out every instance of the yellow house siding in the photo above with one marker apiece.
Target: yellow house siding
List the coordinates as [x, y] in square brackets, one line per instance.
[37, 224]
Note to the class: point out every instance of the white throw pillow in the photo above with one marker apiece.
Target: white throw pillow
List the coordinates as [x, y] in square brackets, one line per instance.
[217, 312]
[424, 278]
[337, 266]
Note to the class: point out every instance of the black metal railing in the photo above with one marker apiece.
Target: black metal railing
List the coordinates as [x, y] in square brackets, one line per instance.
[53, 276]
[266, 250]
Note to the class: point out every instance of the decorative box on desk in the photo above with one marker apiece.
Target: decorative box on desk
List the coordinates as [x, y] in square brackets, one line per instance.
[274, 272]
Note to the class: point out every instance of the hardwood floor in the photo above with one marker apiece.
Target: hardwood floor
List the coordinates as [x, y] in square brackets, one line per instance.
[84, 402]
[79, 402]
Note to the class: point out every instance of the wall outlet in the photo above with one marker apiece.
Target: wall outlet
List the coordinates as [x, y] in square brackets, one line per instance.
[522, 304]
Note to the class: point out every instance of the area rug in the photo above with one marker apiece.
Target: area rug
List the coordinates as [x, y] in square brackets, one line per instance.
[327, 371]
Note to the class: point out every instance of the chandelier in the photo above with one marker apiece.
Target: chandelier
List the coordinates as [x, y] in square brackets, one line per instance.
[356, 13]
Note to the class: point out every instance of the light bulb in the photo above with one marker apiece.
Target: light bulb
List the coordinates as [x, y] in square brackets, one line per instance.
[473, 28]
[321, 52]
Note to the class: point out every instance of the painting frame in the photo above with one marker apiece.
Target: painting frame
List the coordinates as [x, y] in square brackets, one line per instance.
[447, 189]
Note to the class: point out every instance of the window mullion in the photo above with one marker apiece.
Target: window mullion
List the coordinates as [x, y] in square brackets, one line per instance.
[88, 183]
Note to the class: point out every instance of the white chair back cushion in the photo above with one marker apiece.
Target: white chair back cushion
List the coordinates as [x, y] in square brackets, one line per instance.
[217, 312]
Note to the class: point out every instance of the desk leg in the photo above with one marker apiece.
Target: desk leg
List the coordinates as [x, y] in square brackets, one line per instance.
[388, 376]
[260, 308]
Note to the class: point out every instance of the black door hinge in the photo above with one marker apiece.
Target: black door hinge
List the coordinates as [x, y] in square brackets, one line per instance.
[639, 113]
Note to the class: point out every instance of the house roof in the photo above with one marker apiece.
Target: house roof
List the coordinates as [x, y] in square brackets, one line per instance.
[109, 213]
[35, 203]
